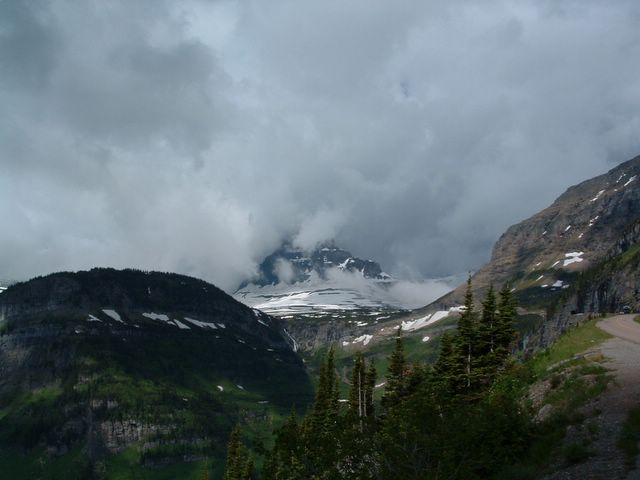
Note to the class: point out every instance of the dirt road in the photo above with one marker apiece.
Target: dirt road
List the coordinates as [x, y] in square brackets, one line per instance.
[622, 326]
[610, 410]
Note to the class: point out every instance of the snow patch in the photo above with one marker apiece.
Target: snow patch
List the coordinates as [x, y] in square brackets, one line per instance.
[581, 234]
[113, 314]
[381, 384]
[568, 228]
[597, 196]
[93, 319]
[558, 284]
[181, 325]
[555, 263]
[365, 339]
[426, 339]
[200, 324]
[344, 344]
[156, 316]
[221, 388]
[572, 257]
[430, 319]
[629, 181]
[539, 278]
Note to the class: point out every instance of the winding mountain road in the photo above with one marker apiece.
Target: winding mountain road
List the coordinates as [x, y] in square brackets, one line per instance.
[622, 326]
[609, 411]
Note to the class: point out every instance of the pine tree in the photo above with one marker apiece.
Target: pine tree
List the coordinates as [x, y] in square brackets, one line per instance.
[466, 344]
[506, 318]
[488, 324]
[395, 374]
[445, 366]
[370, 385]
[233, 468]
[282, 461]
[357, 392]
[325, 408]
[248, 469]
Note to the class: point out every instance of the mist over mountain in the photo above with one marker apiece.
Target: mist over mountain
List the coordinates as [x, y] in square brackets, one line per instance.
[329, 279]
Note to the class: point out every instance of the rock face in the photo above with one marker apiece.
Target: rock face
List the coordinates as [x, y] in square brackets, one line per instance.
[106, 359]
[292, 265]
[328, 280]
[579, 230]
[574, 259]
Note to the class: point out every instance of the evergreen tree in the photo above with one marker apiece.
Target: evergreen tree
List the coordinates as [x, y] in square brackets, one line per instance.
[248, 470]
[233, 468]
[445, 365]
[370, 385]
[506, 318]
[488, 324]
[357, 392]
[395, 374]
[282, 460]
[466, 345]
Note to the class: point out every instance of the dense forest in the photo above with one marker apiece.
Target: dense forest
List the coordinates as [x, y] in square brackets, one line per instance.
[459, 418]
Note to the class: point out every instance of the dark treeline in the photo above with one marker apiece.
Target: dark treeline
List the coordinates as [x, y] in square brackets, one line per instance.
[459, 418]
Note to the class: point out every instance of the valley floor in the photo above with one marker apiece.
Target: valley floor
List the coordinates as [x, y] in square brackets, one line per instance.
[611, 409]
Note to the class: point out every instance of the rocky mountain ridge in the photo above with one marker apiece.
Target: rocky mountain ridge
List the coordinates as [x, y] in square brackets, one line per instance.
[575, 259]
[292, 281]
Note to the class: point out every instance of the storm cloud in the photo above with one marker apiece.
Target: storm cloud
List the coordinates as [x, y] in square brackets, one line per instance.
[196, 136]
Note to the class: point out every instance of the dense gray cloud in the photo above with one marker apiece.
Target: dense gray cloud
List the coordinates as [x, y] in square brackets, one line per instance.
[196, 136]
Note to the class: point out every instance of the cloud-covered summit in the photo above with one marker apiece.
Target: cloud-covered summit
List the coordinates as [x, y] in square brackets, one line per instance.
[196, 136]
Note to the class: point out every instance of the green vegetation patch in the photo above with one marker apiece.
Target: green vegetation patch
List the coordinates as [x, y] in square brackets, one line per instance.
[629, 440]
[572, 343]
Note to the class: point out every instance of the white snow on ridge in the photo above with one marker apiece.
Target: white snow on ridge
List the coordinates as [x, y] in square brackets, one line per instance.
[201, 324]
[629, 181]
[597, 196]
[156, 316]
[430, 319]
[572, 257]
[621, 177]
[365, 339]
[113, 314]
[181, 325]
[93, 319]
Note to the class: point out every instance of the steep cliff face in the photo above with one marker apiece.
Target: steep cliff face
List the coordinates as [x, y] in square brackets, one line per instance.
[543, 255]
[575, 259]
[109, 360]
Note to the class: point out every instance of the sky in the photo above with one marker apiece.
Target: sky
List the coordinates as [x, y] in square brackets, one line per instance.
[197, 136]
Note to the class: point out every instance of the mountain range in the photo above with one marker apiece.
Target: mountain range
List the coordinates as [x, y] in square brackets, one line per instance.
[128, 370]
